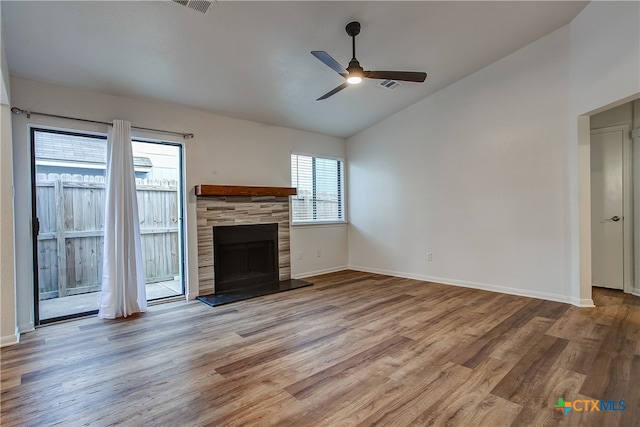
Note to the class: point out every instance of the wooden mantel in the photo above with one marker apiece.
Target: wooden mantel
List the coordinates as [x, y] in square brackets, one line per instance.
[239, 190]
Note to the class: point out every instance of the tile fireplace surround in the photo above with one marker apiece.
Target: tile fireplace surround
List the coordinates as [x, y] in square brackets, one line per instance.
[235, 205]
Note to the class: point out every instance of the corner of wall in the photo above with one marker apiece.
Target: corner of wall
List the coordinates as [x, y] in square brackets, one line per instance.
[636, 195]
[10, 339]
[582, 303]
[8, 318]
[8, 332]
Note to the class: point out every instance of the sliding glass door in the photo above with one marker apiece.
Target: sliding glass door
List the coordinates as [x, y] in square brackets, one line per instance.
[68, 208]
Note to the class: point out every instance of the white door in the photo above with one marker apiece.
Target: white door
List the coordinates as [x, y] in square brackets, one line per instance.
[607, 237]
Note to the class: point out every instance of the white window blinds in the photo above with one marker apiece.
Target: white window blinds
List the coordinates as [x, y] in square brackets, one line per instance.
[320, 184]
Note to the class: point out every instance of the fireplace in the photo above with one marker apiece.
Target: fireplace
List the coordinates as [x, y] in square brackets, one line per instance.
[243, 243]
[245, 256]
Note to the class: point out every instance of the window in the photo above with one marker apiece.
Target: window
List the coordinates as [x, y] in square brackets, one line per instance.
[320, 184]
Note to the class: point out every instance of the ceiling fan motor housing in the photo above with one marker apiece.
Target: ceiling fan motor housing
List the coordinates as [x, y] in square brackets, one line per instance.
[354, 67]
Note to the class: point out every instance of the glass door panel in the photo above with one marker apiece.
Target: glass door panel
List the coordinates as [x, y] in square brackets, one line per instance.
[69, 193]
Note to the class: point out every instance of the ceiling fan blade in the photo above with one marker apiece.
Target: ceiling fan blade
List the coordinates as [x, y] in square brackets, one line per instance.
[403, 76]
[330, 62]
[333, 91]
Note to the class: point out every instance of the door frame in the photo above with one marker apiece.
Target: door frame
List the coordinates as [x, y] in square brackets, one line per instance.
[181, 206]
[33, 129]
[627, 203]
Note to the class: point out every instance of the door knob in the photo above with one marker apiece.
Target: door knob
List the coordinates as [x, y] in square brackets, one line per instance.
[615, 218]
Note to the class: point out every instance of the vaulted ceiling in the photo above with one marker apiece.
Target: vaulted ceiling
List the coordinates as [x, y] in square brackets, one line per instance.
[251, 59]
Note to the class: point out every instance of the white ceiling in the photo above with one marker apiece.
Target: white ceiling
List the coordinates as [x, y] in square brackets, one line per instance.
[252, 60]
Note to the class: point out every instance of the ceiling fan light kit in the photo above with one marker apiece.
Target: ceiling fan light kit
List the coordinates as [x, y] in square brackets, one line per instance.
[355, 73]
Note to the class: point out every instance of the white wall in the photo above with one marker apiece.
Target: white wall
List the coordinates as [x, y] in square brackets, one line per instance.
[224, 151]
[605, 55]
[489, 173]
[8, 333]
[473, 174]
[307, 240]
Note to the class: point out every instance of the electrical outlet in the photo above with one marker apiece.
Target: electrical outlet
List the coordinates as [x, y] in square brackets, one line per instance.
[300, 255]
[318, 253]
[429, 256]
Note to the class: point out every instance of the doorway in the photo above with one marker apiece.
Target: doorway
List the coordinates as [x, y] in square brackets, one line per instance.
[612, 194]
[68, 176]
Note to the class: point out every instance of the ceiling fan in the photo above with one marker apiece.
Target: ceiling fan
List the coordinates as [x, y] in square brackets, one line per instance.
[355, 73]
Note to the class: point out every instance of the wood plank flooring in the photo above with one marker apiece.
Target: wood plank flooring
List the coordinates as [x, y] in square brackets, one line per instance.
[355, 349]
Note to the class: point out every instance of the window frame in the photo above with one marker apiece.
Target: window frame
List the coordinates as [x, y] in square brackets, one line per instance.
[341, 192]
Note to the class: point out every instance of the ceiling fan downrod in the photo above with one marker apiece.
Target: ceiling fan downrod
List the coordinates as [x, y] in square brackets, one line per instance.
[353, 29]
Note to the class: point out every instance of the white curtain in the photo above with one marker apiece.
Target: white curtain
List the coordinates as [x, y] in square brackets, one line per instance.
[123, 288]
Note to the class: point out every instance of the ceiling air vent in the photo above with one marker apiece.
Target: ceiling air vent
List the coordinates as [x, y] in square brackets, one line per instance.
[389, 84]
[201, 6]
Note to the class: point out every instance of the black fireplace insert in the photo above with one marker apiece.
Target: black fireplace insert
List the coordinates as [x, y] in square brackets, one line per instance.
[245, 256]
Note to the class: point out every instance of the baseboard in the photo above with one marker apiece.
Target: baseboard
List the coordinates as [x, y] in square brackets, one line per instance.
[10, 339]
[472, 285]
[635, 292]
[319, 272]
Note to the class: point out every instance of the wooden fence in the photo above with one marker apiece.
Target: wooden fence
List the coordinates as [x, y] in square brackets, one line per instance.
[70, 209]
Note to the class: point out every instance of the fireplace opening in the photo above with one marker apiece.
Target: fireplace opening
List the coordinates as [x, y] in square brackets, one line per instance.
[245, 256]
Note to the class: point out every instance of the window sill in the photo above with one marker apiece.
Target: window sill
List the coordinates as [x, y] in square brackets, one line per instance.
[319, 224]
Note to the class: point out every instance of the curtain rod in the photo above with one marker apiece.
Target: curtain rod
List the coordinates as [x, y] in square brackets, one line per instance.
[16, 110]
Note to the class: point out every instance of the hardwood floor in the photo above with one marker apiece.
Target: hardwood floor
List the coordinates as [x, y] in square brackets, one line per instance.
[355, 349]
